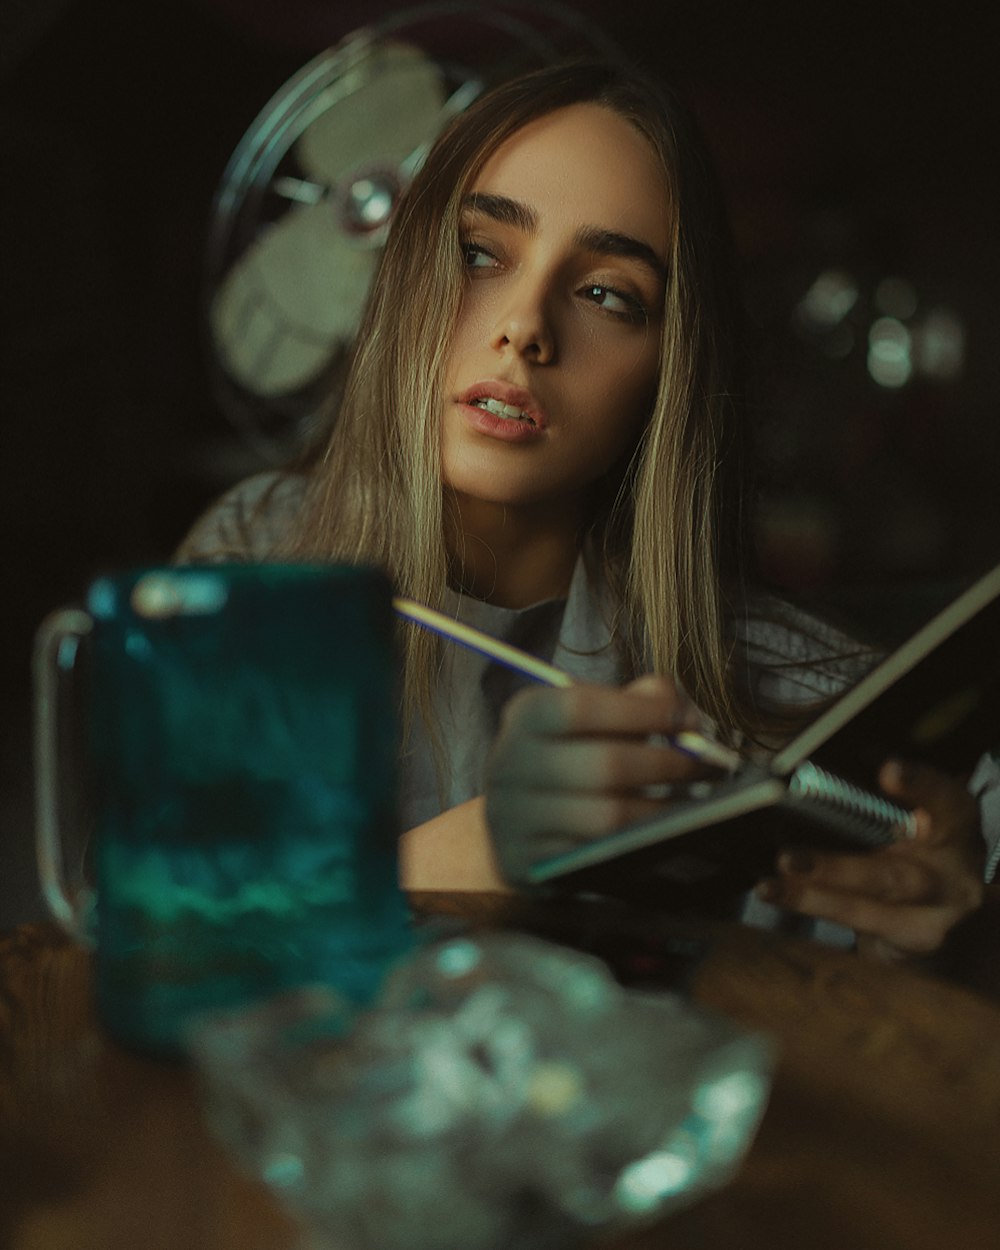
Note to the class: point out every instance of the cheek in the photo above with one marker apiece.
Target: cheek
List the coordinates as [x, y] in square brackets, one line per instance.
[472, 322]
[631, 392]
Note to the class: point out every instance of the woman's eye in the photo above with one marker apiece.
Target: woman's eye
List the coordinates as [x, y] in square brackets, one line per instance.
[616, 302]
[475, 256]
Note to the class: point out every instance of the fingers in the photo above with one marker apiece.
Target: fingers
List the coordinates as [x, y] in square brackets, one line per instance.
[886, 876]
[945, 810]
[900, 930]
[897, 901]
[649, 706]
[559, 823]
[591, 766]
[570, 765]
[906, 898]
[593, 738]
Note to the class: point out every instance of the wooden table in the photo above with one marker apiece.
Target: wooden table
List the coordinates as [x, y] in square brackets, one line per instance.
[883, 1129]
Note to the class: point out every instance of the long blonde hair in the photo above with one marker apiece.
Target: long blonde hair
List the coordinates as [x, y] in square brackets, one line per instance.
[668, 530]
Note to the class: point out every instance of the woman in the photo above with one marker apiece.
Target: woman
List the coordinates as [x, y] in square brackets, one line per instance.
[541, 435]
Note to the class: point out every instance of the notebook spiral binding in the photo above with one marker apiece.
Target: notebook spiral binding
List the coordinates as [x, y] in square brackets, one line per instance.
[830, 800]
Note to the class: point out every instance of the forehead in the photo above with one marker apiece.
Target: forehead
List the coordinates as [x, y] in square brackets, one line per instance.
[586, 164]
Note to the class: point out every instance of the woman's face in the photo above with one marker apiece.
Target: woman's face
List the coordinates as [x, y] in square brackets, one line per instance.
[555, 355]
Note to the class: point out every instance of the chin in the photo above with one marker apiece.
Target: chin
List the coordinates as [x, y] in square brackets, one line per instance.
[491, 482]
[494, 493]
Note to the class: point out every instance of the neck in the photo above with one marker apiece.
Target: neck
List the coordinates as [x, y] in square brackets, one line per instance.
[511, 556]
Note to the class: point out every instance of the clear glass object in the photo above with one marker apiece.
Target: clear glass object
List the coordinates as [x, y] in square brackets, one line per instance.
[239, 734]
[502, 1093]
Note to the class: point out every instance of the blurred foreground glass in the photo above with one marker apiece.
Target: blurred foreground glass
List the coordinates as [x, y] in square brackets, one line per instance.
[239, 742]
[502, 1094]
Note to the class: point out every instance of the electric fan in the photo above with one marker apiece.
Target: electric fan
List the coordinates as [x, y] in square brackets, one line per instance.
[304, 204]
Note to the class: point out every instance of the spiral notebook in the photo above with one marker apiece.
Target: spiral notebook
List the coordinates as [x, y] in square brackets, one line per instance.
[935, 698]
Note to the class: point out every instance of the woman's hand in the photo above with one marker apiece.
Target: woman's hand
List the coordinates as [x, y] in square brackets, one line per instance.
[902, 901]
[572, 765]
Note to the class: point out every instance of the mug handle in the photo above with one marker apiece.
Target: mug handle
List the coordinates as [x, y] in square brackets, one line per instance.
[56, 645]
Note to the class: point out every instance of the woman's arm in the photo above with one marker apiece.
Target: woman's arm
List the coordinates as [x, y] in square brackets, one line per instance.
[451, 852]
[246, 523]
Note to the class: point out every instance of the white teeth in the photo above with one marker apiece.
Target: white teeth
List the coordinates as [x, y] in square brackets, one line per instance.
[499, 409]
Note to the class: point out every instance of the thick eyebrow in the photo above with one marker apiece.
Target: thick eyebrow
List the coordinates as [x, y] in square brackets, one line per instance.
[502, 209]
[610, 243]
[603, 242]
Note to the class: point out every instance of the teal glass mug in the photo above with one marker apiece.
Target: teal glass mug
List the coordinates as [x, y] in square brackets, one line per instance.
[239, 741]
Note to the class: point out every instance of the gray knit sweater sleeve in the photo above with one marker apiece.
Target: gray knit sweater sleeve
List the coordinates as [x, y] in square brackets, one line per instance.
[247, 524]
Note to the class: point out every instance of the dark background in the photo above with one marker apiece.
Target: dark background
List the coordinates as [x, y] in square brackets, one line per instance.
[852, 137]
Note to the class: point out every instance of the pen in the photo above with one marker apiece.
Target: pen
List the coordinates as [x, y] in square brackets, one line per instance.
[687, 741]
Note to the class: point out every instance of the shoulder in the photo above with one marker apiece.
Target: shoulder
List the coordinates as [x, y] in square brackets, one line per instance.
[247, 523]
[794, 658]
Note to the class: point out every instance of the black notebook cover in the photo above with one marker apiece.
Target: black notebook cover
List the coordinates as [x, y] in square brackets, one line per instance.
[935, 698]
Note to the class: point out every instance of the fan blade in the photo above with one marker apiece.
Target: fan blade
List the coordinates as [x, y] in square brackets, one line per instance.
[290, 301]
[395, 107]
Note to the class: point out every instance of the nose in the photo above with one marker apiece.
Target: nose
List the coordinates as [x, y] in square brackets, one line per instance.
[524, 324]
